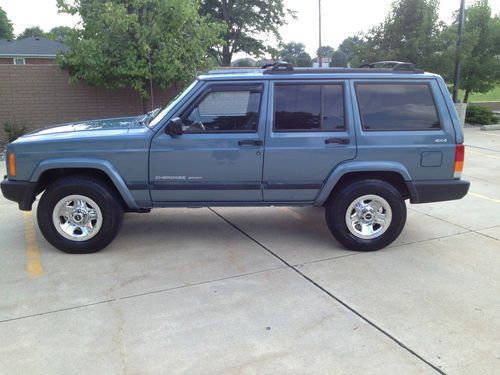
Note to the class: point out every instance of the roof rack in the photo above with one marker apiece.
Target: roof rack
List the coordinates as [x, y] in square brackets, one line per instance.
[281, 67]
[394, 65]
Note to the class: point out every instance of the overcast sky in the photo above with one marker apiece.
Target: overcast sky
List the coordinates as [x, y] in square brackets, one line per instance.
[341, 18]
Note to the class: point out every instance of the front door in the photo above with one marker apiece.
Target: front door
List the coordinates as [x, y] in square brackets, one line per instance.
[219, 156]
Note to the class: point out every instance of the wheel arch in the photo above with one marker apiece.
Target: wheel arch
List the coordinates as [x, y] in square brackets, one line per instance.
[394, 173]
[49, 170]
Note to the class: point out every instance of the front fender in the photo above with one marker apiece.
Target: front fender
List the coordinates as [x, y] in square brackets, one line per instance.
[98, 164]
[358, 166]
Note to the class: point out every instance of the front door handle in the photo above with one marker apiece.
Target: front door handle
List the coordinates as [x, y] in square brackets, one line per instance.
[342, 141]
[250, 142]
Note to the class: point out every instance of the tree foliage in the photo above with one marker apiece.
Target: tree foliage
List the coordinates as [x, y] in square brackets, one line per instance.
[481, 62]
[295, 54]
[60, 34]
[246, 25]
[6, 28]
[30, 32]
[339, 59]
[325, 51]
[128, 43]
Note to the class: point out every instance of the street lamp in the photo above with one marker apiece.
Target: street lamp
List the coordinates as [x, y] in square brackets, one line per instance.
[456, 83]
[320, 57]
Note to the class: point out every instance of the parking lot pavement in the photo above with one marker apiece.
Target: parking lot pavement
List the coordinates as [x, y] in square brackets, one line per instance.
[261, 290]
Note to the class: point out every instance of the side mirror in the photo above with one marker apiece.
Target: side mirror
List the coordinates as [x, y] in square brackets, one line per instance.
[174, 127]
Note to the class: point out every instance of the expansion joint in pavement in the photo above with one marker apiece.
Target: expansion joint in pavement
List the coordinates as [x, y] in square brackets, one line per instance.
[330, 294]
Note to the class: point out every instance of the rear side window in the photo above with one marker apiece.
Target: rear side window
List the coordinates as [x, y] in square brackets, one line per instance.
[312, 107]
[391, 106]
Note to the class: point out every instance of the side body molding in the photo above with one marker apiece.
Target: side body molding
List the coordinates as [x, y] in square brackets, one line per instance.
[99, 164]
[358, 166]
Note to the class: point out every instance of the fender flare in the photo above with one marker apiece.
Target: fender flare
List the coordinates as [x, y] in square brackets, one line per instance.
[359, 166]
[101, 165]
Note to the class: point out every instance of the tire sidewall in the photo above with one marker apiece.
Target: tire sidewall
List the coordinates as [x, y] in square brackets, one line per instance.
[112, 214]
[337, 208]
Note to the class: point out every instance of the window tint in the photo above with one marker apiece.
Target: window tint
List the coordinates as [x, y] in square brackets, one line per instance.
[397, 107]
[225, 111]
[308, 107]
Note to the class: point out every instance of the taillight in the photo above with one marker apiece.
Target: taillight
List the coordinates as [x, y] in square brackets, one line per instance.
[459, 161]
[12, 164]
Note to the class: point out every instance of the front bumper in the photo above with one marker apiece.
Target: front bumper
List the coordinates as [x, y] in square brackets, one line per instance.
[437, 191]
[22, 192]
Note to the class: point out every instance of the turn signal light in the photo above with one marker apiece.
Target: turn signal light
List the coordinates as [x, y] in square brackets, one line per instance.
[12, 164]
[459, 161]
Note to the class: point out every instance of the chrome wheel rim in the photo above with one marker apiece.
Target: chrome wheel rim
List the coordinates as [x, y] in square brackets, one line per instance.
[77, 218]
[368, 216]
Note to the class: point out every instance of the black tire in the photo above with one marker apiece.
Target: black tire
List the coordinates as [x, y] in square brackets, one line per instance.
[104, 196]
[339, 203]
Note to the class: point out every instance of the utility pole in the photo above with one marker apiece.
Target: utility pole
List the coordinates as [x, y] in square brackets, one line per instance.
[320, 57]
[458, 60]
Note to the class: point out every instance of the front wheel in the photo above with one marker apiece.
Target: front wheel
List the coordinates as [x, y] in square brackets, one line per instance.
[79, 215]
[366, 215]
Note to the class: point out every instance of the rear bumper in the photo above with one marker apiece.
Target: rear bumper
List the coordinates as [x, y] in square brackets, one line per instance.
[22, 192]
[437, 191]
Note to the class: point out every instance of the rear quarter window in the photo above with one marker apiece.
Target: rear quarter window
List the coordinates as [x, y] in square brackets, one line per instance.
[397, 106]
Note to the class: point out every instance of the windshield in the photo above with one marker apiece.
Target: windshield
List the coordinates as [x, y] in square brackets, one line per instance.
[161, 114]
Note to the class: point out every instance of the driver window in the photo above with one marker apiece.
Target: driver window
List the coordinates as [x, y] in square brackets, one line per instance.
[225, 111]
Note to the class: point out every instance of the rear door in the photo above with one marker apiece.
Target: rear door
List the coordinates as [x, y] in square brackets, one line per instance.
[309, 132]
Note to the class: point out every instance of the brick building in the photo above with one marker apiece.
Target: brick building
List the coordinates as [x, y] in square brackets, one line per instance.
[35, 92]
[31, 50]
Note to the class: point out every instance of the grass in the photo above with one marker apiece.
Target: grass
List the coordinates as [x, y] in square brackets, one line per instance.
[491, 96]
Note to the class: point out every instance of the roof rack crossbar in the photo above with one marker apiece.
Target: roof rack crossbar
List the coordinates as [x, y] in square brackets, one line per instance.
[394, 65]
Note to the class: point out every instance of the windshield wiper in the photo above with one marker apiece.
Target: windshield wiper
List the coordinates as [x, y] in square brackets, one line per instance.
[146, 119]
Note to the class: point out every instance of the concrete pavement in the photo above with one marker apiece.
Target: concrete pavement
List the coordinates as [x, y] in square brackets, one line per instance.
[261, 290]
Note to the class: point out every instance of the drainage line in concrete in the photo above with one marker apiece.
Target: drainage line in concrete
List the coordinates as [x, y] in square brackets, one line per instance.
[331, 295]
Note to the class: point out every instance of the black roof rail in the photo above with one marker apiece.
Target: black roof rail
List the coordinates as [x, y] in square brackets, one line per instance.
[279, 66]
[394, 65]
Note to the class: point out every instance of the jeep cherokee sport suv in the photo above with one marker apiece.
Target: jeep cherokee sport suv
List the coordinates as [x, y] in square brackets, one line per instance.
[357, 141]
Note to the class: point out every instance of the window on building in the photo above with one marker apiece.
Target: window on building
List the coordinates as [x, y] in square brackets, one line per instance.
[397, 106]
[19, 61]
[313, 107]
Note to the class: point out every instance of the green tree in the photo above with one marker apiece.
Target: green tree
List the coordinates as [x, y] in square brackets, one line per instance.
[290, 52]
[246, 25]
[325, 51]
[31, 31]
[339, 59]
[129, 43]
[481, 62]
[352, 47]
[60, 34]
[6, 29]
[303, 60]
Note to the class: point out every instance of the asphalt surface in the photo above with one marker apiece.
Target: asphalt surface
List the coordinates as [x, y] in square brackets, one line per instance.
[261, 291]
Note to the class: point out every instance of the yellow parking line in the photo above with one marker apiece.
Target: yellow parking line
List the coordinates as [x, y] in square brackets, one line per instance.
[481, 154]
[484, 197]
[34, 266]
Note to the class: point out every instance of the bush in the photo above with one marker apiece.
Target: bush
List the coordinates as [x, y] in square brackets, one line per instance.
[13, 131]
[480, 115]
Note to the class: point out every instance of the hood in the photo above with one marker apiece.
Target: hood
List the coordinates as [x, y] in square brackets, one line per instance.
[101, 124]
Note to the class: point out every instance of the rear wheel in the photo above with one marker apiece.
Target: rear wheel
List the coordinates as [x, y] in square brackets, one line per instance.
[366, 215]
[79, 215]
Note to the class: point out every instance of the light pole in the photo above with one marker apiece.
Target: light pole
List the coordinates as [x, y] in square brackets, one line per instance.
[458, 60]
[320, 57]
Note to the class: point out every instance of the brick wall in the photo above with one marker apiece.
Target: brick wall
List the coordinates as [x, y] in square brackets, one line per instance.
[40, 95]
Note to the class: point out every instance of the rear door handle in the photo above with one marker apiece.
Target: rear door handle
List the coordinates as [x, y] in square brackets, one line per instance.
[342, 141]
[250, 142]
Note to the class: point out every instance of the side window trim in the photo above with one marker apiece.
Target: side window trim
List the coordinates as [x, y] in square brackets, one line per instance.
[342, 84]
[386, 82]
[222, 87]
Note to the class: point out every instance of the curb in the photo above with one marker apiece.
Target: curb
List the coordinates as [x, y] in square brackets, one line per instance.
[490, 127]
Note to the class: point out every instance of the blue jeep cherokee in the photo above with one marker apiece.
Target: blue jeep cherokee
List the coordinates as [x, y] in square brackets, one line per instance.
[357, 141]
